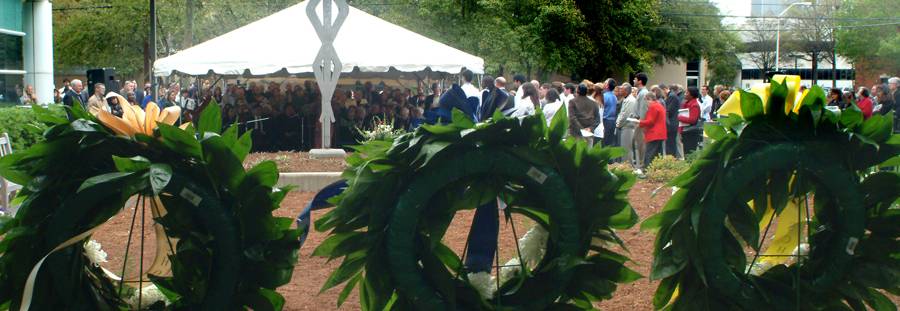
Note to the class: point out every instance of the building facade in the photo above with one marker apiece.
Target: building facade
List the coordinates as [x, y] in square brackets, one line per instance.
[687, 73]
[768, 7]
[26, 49]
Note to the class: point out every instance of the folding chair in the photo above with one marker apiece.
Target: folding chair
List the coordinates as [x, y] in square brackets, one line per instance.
[7, 188]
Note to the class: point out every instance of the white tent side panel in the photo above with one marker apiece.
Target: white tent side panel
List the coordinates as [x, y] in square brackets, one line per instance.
[287, 40]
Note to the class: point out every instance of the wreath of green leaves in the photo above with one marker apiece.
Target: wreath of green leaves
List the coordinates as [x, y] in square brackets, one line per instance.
[704, 229]
[231, 252]
[388, 225]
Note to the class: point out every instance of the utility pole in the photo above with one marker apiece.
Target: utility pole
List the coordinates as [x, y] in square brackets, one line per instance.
[153, 87]
[833, 48]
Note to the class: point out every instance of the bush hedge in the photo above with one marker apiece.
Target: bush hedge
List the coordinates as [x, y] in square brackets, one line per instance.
[666, 168]
[22, 125]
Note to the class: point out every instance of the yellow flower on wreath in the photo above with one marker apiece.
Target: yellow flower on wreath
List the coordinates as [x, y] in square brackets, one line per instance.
[135, 120]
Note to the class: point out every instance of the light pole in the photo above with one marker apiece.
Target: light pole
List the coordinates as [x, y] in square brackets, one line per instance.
[778, 33]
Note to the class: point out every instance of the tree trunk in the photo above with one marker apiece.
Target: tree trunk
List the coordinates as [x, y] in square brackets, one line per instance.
[148, 64]
[833, 67]
[188, 24]
[815, 67]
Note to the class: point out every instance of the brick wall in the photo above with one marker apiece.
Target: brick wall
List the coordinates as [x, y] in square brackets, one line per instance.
[871, 71]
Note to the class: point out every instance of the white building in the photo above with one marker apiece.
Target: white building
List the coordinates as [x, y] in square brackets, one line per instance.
[751, 73]
[768, 7]
[26, 48]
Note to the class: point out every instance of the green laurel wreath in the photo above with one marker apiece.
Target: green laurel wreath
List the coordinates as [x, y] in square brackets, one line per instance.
[704, 230]
[231, 252]
[389, 223]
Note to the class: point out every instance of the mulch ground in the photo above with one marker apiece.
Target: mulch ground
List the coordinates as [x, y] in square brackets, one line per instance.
[302, 293]
[296, 162]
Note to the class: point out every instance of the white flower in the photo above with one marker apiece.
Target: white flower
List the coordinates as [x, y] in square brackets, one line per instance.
[93, 251]
[149, 295]
[801, 250]
[509, 270]
[484, 283]
[533, 245]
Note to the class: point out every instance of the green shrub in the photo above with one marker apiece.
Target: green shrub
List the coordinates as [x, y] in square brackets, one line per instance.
[22, 126]
[665, 168]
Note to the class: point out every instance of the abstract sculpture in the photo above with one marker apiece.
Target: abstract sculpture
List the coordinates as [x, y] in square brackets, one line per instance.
[327, 66]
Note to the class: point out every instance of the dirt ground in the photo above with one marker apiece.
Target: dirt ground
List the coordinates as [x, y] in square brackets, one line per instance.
[302, 293]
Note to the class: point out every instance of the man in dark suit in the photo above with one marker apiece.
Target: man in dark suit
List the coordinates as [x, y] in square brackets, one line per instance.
[76, 93]
[673, 103]
[431, 101]
[485, 107]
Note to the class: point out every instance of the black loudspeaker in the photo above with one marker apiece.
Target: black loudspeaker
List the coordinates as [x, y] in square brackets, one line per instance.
[107, 76]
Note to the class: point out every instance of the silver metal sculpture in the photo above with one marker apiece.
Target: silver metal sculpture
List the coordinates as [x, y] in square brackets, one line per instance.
[327, 66]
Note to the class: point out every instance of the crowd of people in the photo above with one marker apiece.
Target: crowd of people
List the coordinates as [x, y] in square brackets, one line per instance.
[283, 116]
[647, 119]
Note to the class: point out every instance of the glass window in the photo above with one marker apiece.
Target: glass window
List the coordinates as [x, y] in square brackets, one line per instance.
[11, 52]
[10, 88]
[11, 59]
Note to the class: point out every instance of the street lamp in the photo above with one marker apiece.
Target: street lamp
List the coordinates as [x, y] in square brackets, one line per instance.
[778, 33]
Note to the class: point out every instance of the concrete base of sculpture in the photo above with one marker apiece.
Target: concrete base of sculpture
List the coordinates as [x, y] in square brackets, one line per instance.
[327, 153]
[308, 181]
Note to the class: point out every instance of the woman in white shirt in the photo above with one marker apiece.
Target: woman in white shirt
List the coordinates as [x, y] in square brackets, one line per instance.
[553, 105]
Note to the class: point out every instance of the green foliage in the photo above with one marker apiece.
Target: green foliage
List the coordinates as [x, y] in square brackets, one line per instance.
[231, 252]
[666, 168]
[113, 33]
[391, 244]
[686, 31]
[879, 45]
[23, 126]
[769, 156]
[579, 37]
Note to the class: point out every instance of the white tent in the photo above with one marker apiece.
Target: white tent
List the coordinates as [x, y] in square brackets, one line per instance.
[287, 41]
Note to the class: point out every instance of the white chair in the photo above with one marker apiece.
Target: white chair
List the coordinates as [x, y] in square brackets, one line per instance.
[7, 188]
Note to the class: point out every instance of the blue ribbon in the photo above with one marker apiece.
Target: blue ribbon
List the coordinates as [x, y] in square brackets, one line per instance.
[319, 201]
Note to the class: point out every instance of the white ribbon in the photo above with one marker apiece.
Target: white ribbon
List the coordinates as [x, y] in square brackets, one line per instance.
[29, 284]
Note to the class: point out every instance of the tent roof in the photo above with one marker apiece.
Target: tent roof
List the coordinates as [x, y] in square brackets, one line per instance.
[287, 40]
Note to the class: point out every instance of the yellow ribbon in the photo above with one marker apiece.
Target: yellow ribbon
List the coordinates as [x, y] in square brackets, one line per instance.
[785, 238]
[788, 227]
[792, 102]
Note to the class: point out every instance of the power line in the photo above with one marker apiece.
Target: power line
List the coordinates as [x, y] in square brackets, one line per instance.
[752, 4]
[786, 29]
[784, 17]
[72, 8]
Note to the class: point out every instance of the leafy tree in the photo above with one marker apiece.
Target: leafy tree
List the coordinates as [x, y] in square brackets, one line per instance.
[584, 38]
[879, 44]
[87, 35]
[113, 33]
[621, 31]
[691, 30]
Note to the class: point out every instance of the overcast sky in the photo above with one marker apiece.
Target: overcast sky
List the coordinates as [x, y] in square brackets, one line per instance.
[734, 7]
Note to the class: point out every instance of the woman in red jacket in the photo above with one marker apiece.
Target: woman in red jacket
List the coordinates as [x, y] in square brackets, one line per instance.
[654, 125]
[689, 130]
[865, 102]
